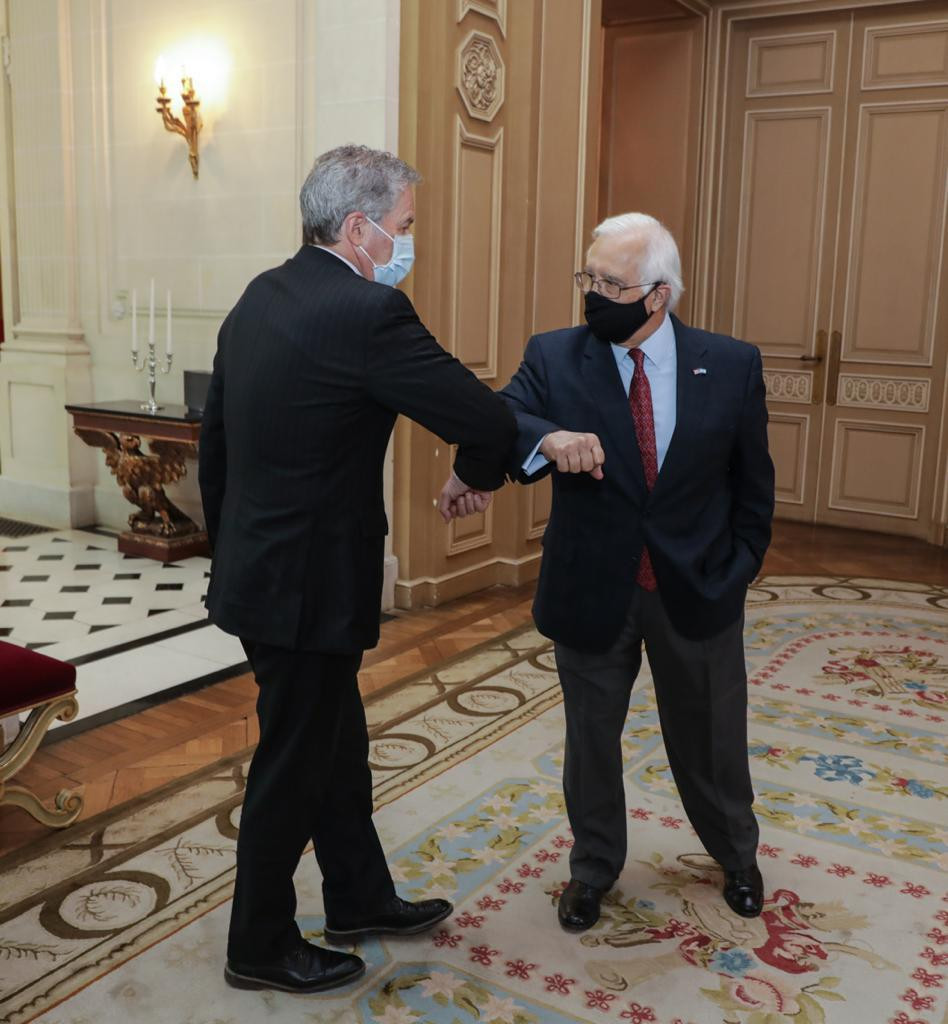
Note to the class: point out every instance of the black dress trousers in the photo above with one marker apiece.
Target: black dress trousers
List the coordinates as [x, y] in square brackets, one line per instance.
[309, 780]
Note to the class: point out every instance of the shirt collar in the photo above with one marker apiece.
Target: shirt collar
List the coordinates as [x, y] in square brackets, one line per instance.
[339, 256]
[657, 347]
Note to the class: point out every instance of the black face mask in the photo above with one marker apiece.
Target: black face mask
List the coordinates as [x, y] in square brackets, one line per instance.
[615, 321]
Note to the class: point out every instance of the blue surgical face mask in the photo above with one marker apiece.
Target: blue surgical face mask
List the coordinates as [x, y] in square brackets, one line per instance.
[400, 263]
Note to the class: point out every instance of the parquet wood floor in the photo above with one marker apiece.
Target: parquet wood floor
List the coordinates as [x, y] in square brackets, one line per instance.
[114, 763]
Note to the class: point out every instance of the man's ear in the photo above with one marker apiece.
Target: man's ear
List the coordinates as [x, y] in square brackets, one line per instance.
[353, 227]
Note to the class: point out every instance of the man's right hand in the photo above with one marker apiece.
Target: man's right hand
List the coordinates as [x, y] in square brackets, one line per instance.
[457, 500]
[574, 453]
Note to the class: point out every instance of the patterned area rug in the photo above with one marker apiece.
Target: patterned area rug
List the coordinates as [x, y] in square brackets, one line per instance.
[126, 917]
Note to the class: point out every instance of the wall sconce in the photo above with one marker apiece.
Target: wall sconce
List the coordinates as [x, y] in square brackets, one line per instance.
[189, 124]
[209, 61]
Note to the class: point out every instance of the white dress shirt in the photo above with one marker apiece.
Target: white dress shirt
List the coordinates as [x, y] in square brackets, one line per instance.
[661, 369]
[339, 256]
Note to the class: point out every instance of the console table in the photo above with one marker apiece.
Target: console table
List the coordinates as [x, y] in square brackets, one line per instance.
[159, 529]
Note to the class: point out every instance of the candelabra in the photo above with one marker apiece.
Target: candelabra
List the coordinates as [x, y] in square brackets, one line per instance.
[150, 360]
[152, 363]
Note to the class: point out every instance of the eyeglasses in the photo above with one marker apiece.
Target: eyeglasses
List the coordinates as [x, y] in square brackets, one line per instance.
[608, 289]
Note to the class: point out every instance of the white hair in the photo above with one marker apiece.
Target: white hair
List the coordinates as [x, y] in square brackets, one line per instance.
[347, 179]
[660, 262]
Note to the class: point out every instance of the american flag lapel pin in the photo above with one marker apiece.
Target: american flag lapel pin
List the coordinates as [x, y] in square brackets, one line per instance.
[698, 370]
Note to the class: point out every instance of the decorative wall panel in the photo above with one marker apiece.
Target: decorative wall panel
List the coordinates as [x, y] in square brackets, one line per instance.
[788, 443]
[877, 468]
[44, 190]
[791, 65]
[496, 9]
[480, 76]
[898, 207]
[471, 532]
[783, 187]
[475, 284]
[905, 56]
[32, 407]
[541, 496]
[866, 391]
[789, 386]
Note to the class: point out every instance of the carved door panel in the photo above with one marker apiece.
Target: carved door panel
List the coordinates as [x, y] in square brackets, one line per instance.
[886, 370]
[787, 89]
[831, 255]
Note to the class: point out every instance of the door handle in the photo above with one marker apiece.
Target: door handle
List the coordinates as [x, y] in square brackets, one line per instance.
[818, 378]
[817, 356]
[832, 367]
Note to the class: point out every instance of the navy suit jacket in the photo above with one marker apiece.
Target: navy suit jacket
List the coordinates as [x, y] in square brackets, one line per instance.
[707, 520]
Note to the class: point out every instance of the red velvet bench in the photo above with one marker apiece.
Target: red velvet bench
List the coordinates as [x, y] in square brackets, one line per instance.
[30, 681]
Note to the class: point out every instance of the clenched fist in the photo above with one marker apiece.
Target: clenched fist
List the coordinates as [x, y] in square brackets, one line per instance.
[457, 500]
[574, 453]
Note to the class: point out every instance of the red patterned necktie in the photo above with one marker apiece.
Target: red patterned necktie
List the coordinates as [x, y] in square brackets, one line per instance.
[640, 401]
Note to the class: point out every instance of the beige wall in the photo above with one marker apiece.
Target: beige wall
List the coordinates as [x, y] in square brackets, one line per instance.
[98, 198]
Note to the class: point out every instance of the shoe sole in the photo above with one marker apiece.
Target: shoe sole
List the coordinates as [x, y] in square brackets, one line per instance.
[744, 913]
[343, 938]
[245, 981]
[577, 927]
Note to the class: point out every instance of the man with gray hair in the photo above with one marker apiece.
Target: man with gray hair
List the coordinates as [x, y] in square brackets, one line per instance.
[313, 365]
[663, 493]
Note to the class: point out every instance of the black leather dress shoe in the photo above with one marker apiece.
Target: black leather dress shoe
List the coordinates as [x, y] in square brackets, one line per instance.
[302, 969]
[579, 906]
[744, 891]
[397, 917]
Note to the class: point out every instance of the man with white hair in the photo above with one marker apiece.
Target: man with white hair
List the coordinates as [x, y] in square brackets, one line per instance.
[313, 365]
[663, 492]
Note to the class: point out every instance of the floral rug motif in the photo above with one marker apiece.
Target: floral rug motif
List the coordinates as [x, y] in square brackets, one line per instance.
[848, 749]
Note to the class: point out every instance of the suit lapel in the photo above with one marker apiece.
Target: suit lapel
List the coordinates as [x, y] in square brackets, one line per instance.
[605, 387]
[692, 396]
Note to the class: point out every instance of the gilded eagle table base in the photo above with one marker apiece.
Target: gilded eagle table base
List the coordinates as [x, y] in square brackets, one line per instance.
[159, 529]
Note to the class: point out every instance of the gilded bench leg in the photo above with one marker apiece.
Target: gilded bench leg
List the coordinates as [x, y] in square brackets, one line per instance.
[68, 805]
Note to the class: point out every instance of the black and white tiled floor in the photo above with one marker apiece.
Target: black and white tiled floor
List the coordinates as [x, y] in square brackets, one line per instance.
[132, 626]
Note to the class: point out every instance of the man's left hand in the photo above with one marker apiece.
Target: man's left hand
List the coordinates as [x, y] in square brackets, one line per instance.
[457, 500]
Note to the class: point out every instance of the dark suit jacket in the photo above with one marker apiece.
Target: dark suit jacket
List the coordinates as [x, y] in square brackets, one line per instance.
[707, 520]
[313, 365]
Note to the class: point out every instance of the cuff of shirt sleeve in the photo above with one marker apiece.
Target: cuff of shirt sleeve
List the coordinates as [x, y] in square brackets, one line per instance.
[534, 462]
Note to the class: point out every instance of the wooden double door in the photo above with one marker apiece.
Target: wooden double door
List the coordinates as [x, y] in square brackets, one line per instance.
[831, 255]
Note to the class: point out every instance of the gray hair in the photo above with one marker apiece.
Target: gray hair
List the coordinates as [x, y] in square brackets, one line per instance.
[661, 261]
[349, 179]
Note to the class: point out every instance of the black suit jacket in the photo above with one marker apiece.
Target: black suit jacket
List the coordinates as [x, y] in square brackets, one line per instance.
[313, 365]
[707, 520]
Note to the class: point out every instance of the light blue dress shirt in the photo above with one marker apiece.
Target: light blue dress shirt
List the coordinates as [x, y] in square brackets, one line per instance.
[661, 368]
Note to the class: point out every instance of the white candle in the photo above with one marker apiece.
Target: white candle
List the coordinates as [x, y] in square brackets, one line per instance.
[168, 337]
[151, 316]
[134, 322]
